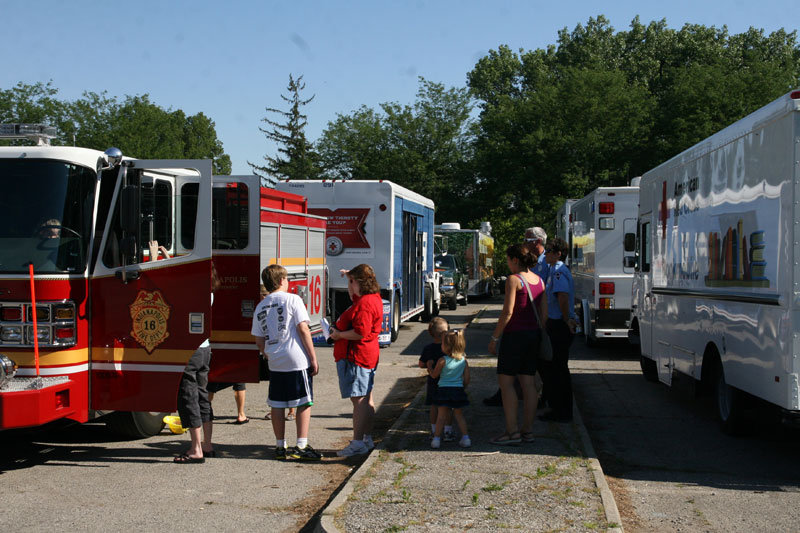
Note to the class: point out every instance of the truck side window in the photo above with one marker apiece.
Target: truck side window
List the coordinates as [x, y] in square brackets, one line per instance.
[156, 223]
[230, 219]
[187, 214]
[156, 198]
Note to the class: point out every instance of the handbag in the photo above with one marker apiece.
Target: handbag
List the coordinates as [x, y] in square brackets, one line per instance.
[545, 346]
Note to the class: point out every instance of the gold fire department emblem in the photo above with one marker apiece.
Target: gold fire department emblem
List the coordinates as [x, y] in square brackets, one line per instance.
[149, 313]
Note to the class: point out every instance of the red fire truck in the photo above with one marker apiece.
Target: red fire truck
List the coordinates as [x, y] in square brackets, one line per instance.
[90, 323]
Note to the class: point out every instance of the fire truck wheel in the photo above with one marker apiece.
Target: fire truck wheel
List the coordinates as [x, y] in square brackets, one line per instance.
[396, 318]
[135, 425]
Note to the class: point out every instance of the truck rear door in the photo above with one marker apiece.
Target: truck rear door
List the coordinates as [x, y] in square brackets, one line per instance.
[149, 314]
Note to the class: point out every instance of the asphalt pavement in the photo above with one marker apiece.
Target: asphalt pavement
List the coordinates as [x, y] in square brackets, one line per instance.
[84, 478]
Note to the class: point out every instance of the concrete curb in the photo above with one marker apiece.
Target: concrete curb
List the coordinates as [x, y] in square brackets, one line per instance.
[327, 523]
[609, 503]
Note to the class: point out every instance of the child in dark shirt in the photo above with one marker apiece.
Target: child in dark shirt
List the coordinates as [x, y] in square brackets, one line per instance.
[430, 356]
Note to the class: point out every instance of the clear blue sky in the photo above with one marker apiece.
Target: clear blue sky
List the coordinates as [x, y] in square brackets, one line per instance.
[232, 59]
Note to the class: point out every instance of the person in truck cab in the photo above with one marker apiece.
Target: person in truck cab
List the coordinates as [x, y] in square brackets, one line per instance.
[49, 229]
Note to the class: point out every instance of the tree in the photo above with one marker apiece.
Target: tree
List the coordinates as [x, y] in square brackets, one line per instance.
[425, 147]
[32, 104]
[600, 107]
[296, 158]
[137, 126]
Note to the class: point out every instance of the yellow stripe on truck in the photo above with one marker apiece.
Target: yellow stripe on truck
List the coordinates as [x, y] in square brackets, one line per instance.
[297, 261]
[232, 336]
[61, 357]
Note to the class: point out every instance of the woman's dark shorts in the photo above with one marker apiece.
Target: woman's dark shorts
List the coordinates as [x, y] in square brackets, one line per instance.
[519, 351]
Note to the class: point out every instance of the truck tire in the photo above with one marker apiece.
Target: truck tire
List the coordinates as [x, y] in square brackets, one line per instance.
[649, 369]
[427, 311]
[451, 304]
[135, 424]
[731, 403]
[396, 318]
[588, 335]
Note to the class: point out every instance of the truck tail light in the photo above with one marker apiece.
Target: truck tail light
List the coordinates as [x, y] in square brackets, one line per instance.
[606, 223]
[606, 303]
[42, 313]
[65, 334]
[64, 313]
[606, 287]
[11, 314]
[606, 208]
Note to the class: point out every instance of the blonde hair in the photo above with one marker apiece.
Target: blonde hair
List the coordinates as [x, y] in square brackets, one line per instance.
[272, 276]
[437, 326]
[454, 341]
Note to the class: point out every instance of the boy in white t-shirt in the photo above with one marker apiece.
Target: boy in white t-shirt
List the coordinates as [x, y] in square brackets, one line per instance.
[280, 326]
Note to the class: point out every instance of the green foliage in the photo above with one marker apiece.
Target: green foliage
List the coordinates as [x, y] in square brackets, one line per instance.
[601, 107]
[296, 158]
[425, 147]
[136, 126]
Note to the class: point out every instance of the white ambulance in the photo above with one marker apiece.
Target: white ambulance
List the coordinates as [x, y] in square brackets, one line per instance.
[717, 290]
[602, 235]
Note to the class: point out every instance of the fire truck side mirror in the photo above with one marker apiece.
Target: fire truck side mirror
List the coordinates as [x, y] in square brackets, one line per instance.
[128, 246]
[129, 208]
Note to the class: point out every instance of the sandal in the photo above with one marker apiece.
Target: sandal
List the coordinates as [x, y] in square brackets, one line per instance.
[185, 459]
[268, 416]
[528, 436]
[209, 453]
[506, 439]
[290, 416]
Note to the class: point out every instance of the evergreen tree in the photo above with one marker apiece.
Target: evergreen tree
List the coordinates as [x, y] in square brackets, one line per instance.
[296, 158]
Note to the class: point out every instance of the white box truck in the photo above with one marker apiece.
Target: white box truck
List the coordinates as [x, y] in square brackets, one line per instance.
[717, 289]
[386, 226]
[475, 251]
[602, 234]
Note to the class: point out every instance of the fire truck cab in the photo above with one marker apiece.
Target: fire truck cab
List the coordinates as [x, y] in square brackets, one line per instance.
[105, 279]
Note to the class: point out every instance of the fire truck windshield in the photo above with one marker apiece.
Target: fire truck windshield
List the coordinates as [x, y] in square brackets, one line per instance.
[45, 215]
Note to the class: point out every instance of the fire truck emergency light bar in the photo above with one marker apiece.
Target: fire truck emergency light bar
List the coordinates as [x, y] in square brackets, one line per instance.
[41, 133]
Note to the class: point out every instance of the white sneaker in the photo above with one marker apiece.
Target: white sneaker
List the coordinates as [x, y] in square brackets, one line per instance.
[368, 442]
[465, 442]
[436, 443]
[356, 447]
